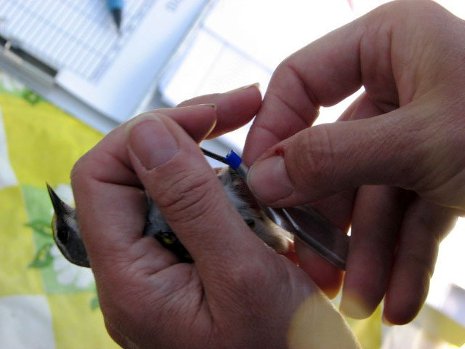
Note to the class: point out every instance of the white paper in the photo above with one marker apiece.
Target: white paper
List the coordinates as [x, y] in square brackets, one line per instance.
[107, 72]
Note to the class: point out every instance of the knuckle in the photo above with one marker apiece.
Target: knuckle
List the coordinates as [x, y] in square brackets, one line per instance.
[80, 171]
[423, 263]
[191, 196]
[314, 158]
[299, 98]
[422, 258]
[92, 165]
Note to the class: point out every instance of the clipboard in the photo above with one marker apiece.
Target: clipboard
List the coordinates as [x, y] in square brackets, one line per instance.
[70, 53]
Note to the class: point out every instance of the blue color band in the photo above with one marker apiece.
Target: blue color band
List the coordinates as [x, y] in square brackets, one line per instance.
[233, 160]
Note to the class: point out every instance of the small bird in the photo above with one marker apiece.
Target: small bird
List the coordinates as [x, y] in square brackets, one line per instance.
[67, 236]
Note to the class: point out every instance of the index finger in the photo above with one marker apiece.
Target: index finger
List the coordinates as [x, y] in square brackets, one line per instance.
[320, 74]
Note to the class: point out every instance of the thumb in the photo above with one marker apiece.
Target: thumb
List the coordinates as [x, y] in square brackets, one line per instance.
[326, 159]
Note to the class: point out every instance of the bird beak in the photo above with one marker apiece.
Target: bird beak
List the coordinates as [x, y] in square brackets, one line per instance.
[59, 206]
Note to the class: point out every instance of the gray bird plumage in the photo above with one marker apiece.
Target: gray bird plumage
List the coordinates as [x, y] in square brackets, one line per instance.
[68, 237]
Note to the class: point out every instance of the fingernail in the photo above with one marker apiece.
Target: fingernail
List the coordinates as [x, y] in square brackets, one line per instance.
[209, 105]
[151, 142]
[256, 85]
[353, 306]
[269, 181]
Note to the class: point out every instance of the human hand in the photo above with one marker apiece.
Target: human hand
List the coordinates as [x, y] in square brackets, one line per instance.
[393, 167]
[238, 293]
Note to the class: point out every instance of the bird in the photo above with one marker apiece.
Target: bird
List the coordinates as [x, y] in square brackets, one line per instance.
[68, 238]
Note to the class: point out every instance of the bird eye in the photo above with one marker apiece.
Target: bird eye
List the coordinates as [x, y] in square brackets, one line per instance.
[250, 223]
[63, 235]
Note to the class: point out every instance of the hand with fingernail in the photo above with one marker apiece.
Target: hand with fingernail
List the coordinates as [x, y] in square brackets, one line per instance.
[392, 168]
[236, 291]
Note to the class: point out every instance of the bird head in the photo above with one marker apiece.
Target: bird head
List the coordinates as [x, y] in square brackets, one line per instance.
[68, 238]
[66, 231]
